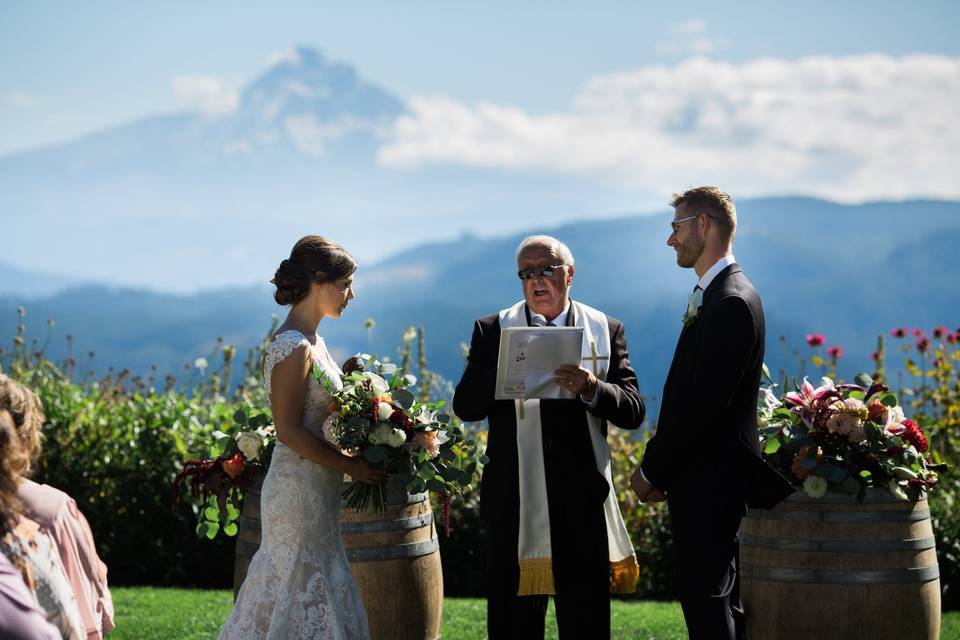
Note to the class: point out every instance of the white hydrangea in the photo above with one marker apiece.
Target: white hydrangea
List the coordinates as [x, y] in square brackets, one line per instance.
[387, 435]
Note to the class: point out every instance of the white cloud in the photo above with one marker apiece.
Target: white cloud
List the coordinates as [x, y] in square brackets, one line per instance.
[689, 27]
[22, 100]
[852, 128]
[690, 38]
[290, 55]
[310, 137]
[209, 95]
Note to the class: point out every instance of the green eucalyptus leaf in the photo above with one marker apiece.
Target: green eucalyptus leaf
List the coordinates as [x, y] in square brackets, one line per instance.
[864, 380]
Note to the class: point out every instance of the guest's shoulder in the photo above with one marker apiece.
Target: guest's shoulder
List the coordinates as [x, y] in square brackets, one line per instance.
[43, 503]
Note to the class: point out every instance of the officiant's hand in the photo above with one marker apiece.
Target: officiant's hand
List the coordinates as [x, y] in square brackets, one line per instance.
[579, 381]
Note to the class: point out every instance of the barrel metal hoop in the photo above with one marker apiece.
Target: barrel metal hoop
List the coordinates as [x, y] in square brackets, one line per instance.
[842, 517]
[394, 552]
[831, 576]
[396, 524]
[838, 546]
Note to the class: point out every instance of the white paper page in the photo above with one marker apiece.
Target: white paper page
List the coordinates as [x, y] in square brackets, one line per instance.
[528, 358]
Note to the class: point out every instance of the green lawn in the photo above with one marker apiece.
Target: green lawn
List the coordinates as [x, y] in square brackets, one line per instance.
[146, 613]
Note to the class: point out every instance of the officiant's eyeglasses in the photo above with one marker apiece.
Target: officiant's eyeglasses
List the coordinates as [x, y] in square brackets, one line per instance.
[546, 272]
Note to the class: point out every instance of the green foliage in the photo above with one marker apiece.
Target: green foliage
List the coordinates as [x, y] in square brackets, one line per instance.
[116, 444]
[648, 524]
[933, 385]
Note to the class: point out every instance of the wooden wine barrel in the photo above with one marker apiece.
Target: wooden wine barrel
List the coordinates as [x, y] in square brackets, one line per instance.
[835, 568]
[395, 558]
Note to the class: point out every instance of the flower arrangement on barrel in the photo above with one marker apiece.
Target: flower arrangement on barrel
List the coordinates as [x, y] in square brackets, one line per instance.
[845, 438]
[374, 415]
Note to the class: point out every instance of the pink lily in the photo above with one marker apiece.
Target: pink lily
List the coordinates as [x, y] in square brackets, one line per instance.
[806, 399]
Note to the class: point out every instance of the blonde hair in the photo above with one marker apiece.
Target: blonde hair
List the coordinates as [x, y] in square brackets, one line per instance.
[26, 411]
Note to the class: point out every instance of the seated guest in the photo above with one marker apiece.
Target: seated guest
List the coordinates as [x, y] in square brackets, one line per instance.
[20, 617]
[58, 515]
[26, 547]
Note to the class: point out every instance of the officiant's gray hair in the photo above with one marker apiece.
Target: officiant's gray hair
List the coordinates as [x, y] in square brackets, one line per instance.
[555, 247]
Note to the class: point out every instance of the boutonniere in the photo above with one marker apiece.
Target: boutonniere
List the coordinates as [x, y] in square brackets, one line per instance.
[694, 302]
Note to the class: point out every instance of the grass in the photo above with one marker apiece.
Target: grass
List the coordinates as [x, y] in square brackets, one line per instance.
[148, 613]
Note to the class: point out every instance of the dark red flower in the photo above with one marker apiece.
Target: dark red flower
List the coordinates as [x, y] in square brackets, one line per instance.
[875, 356]
[939, 332]
[898, 333]
[895, 451]
[835, 352]
[815, 339]
[917, 333]
[953, 338]
[914, 436]
[923, 344]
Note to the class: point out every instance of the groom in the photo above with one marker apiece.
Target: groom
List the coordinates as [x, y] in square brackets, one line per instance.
[705, 456]
[546, 500]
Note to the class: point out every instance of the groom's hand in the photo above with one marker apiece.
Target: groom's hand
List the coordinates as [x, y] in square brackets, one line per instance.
[644, 490]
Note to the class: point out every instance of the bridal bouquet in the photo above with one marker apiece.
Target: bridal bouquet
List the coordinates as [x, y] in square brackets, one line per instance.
[845, 438]
[376, 416]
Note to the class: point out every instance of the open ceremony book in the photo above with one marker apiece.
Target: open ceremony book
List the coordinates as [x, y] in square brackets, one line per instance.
[527, 360]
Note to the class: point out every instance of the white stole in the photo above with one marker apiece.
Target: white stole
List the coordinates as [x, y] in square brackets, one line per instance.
[534, 550]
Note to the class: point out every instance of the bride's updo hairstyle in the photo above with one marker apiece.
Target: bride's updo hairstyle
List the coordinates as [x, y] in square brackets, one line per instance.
[313, 259]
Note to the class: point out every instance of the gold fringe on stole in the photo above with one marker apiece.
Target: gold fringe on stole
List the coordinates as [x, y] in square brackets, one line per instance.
[624, 575]
[536, 577]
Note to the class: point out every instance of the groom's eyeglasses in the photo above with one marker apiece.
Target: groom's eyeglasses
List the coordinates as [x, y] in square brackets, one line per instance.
[546, 272]
[675, 225]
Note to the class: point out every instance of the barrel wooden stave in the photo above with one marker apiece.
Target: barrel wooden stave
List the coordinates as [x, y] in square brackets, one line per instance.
[795, 559]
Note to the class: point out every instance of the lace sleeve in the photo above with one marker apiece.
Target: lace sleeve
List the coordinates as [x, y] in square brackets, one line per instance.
[280, 349]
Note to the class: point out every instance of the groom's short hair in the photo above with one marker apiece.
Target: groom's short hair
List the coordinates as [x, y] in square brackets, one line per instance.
[713, 202]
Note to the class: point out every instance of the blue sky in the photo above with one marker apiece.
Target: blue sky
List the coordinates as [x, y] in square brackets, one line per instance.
[516, 116]
[67, 68]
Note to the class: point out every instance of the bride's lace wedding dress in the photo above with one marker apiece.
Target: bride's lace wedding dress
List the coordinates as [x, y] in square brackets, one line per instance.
[299, 584]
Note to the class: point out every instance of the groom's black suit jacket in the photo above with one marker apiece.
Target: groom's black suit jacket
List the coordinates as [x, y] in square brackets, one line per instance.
[706, 451]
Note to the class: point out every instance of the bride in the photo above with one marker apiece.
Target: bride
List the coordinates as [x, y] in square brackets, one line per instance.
[299, 584]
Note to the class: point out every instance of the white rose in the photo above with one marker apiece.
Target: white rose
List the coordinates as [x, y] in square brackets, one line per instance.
[384, 411]
[249, 444]
[815, 486]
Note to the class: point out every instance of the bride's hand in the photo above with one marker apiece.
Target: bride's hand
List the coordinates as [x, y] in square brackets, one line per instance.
[360, 469]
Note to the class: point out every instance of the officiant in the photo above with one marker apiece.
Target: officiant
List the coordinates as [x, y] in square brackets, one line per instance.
[546, 497]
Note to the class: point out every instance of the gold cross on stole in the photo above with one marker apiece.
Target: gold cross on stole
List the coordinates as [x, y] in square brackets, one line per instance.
[593, 357]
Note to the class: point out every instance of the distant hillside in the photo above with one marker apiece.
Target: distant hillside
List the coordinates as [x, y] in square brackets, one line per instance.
[849, 272]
